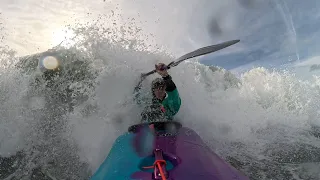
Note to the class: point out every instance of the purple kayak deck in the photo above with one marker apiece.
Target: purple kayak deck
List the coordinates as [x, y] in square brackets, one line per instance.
[192, 159]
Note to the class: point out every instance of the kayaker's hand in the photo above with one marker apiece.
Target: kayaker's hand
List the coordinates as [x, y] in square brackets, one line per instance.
[162, 69]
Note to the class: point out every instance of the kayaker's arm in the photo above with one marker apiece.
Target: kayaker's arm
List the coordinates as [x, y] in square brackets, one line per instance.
[172, 102]
[170, 86]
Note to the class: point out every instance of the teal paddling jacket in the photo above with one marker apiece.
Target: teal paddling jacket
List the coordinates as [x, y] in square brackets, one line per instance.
[172, 102]
[163, 110]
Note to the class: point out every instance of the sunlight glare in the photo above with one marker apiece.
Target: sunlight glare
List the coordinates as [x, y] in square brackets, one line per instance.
[63, 37]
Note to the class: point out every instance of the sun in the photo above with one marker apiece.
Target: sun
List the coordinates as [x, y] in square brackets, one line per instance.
[63, 37]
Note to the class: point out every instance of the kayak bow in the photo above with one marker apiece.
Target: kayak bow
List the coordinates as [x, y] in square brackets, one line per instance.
[177, 153]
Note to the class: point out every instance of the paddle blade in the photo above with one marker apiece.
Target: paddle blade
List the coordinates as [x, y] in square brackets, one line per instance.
[205, 50]
[198, 52]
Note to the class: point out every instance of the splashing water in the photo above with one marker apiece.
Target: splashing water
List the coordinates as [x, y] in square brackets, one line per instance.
[265, 123]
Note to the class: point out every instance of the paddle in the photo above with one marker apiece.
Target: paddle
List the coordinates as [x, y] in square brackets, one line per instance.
[196, 53]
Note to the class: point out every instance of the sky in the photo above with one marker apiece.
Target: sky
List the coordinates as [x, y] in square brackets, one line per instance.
[275, 34]
[272, 33]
